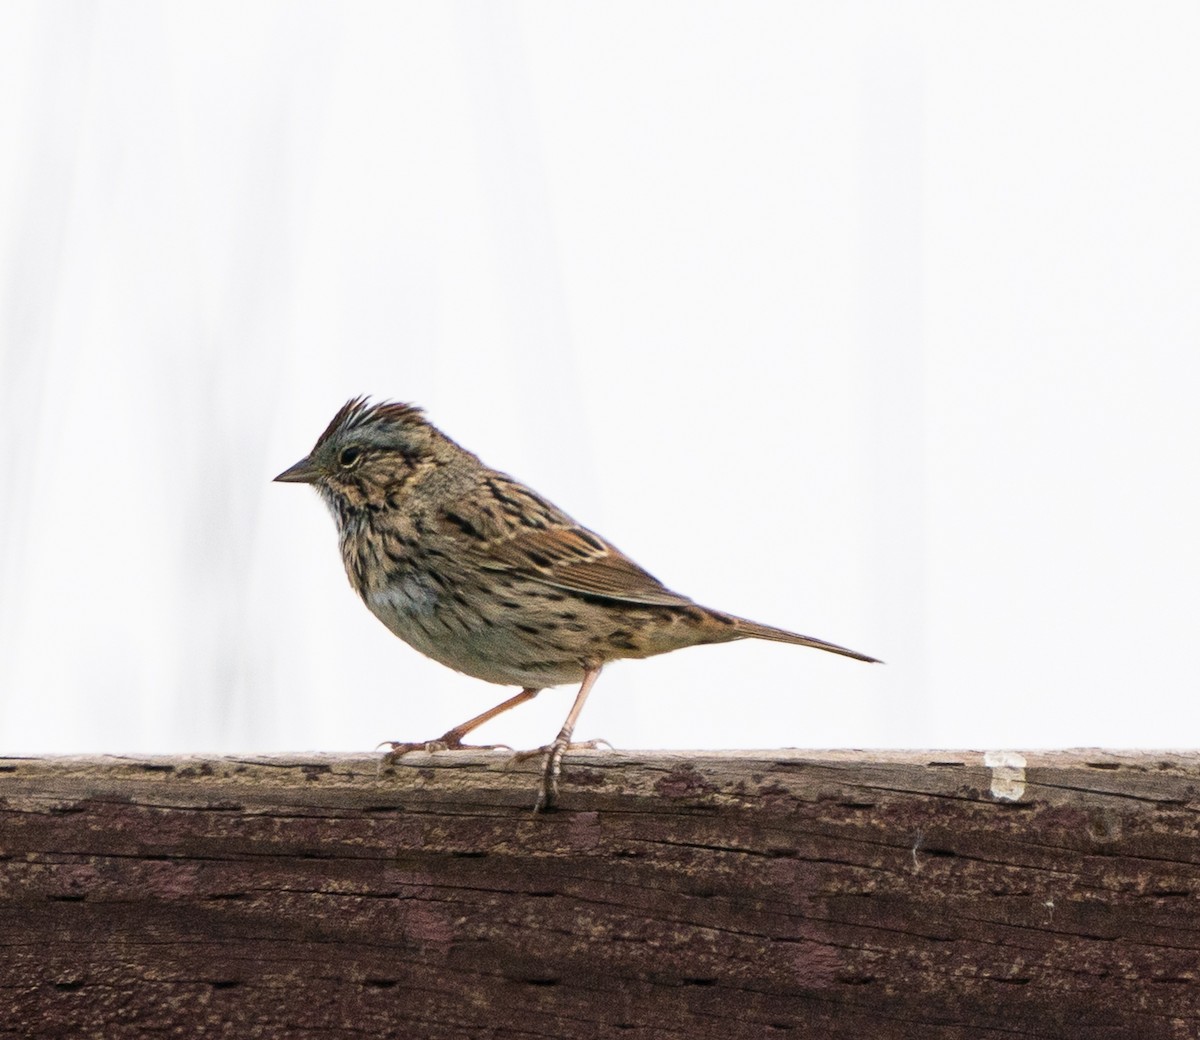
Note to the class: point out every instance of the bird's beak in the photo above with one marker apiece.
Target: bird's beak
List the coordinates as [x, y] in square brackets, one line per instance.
[304, 472]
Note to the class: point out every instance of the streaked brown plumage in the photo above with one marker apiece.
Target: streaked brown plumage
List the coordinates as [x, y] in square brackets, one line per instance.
[480, 573]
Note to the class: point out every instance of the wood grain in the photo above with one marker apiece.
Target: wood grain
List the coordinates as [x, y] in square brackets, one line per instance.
[743, 894]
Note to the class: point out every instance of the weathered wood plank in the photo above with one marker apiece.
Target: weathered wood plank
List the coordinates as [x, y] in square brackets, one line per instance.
[744, 894]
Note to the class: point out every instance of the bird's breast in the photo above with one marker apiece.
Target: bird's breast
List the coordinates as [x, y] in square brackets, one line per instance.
[483, 639]
[406, 595]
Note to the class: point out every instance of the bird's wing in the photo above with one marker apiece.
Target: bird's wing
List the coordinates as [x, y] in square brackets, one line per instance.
[576, 560]
[514, 531]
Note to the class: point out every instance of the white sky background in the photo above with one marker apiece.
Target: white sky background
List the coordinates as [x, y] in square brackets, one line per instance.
[875, 321]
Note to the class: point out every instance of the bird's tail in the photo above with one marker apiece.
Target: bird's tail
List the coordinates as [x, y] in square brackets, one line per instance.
[753, 630]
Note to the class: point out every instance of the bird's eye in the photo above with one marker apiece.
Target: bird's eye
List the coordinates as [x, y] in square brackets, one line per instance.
[349, 456]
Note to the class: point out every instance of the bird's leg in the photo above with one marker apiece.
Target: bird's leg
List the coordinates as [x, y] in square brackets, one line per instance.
[552, 765]
[451, 740]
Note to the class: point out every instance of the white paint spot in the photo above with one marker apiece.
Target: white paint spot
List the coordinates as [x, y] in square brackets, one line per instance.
[1008, 774]
[918, 841]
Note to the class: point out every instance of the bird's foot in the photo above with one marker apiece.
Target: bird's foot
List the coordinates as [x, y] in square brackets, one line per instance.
[552, 765]
[447, 742]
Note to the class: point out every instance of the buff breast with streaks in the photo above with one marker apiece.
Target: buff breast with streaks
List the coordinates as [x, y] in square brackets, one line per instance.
[480, 573]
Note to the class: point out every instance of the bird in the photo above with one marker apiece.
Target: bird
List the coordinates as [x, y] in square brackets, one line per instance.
[481, 573]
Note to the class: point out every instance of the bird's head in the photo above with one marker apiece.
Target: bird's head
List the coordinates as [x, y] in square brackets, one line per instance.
[369, 453]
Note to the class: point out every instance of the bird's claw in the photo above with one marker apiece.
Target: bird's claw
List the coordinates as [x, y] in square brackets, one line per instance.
[552, 765]
[444, 743]
[577, 745]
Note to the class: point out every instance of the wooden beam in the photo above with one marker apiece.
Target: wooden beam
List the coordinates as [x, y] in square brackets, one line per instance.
[879, 895]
